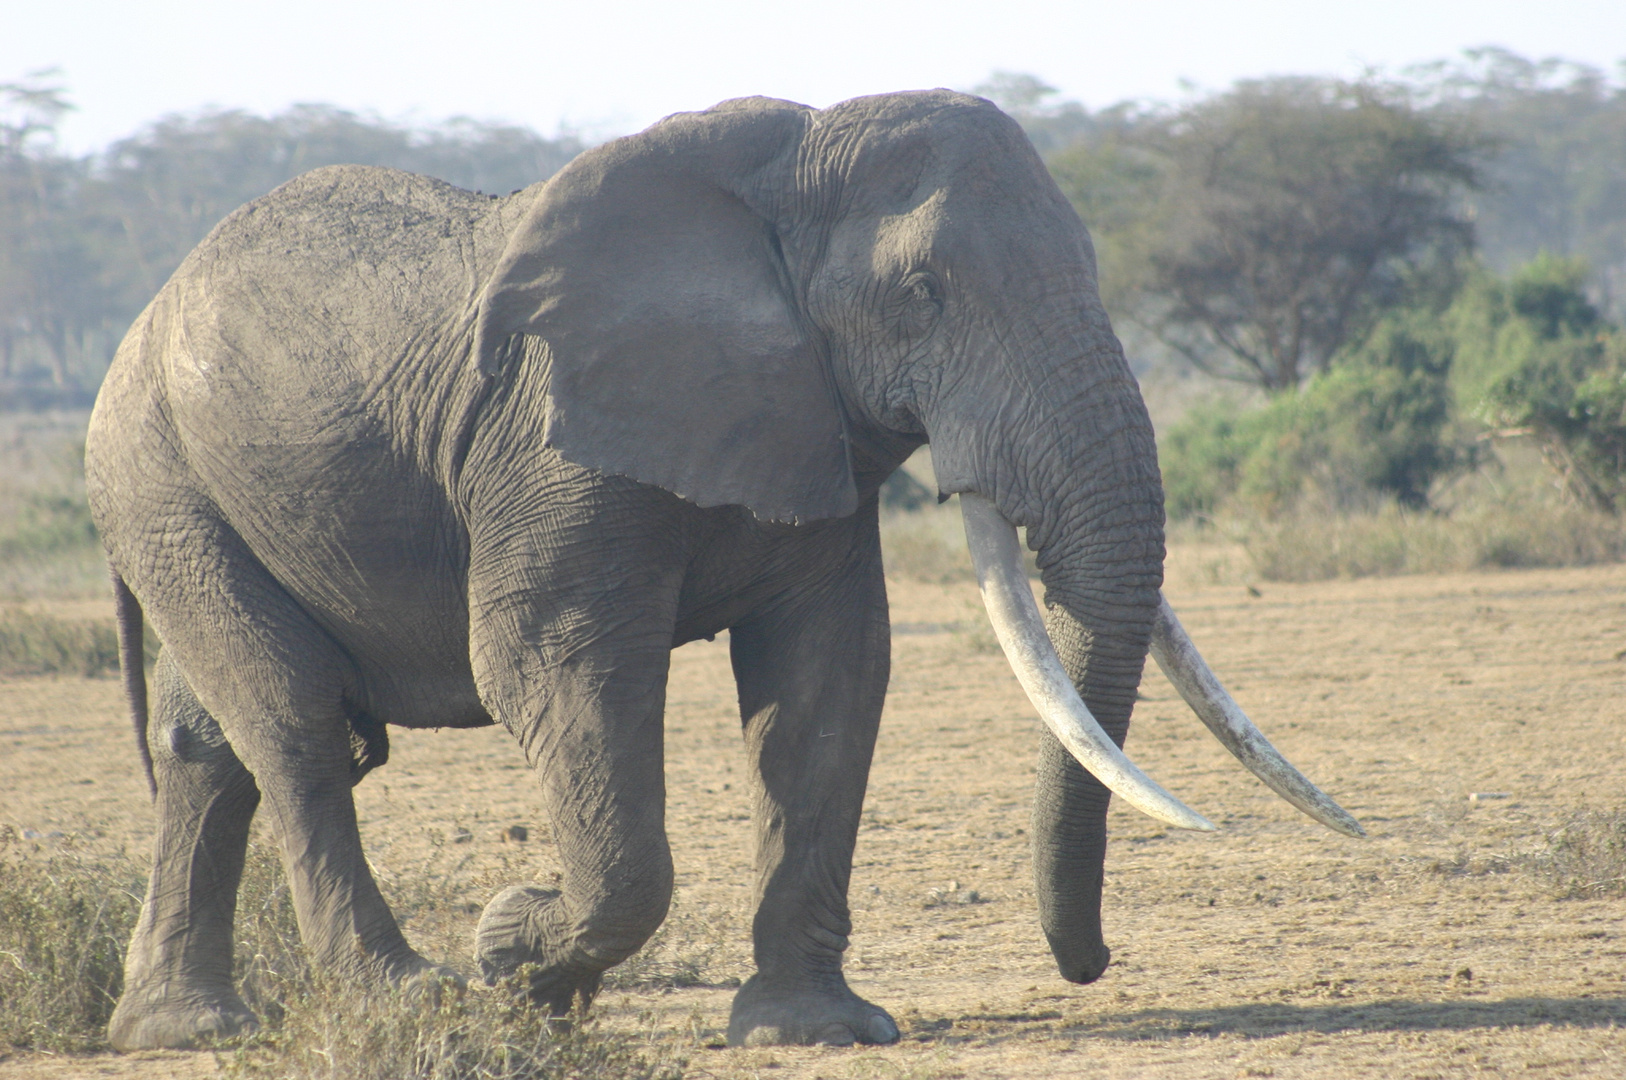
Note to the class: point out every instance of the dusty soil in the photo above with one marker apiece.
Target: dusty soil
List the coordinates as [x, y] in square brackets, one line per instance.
[1274, 948]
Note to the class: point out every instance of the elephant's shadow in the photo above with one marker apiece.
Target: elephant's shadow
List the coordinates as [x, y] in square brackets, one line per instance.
[1263, 1020]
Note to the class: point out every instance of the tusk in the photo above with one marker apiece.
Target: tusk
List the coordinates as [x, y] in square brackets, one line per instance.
[997, 557]
[1215, 707]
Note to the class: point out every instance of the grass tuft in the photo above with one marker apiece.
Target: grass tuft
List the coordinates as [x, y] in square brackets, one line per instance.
[337, 1029]
[684, 952]
[317, 1027]
[65, 918]
[1585, 857]
[270, 966]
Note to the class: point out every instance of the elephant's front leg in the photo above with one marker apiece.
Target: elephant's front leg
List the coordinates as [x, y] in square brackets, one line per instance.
[597, 750]
[812, 678]
[581, 681]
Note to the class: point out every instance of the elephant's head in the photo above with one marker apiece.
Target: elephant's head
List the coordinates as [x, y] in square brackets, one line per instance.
[768, 305]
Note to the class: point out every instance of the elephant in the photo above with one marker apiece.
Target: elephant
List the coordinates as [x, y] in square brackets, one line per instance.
[387, 452]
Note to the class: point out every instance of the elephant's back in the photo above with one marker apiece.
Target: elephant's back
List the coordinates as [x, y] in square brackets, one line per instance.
[339, 302]
[312, 324]
[347, 265]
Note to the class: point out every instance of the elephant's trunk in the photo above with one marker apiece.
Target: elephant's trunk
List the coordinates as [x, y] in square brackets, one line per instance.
[1070, 456]
[1098, 617]
[1100, 550]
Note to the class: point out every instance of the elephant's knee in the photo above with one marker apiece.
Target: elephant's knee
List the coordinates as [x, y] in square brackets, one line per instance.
[571, 938]
[180, 731]
[616, 919]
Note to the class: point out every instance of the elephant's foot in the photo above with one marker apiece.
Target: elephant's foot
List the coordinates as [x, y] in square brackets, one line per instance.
[766, 1014]
[424, 979]
[167, 1021]
[526, 927]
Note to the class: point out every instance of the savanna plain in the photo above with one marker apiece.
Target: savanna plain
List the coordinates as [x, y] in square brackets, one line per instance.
[1472, 721]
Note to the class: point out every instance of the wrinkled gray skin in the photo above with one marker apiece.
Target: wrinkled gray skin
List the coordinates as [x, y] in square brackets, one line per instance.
[388, 452]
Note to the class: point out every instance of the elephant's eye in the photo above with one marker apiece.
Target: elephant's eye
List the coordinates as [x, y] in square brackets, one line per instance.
[916, 303]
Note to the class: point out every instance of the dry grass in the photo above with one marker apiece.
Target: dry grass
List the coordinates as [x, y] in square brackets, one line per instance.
[65, 916]
[1453, 942]
[684, 953]
[927, 544]
[1585, 857]
[1505, 515]
[320, 1028]
[1315, 546]
[340, 1031]
[36, 644]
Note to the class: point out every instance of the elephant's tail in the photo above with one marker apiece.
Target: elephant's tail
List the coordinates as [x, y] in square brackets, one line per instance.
[133, 663]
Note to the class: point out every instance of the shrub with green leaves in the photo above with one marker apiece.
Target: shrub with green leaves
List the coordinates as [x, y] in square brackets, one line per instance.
[1377, 426]
[1537, 358]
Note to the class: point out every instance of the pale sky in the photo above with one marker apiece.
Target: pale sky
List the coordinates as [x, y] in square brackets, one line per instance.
[612, 66]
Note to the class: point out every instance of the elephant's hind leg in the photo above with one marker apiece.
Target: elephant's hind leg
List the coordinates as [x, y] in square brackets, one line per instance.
[178, 971]
[812, 677]
[283, 692]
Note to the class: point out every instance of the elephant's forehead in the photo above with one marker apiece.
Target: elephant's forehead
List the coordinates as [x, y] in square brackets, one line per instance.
[904, 239]
[973, 234]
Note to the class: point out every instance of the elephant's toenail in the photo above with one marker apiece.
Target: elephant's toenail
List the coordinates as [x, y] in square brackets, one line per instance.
[882, 1030]
[835, 1035]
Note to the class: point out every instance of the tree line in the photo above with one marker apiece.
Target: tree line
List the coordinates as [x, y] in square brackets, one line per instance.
[86, 241]
[1386, 261]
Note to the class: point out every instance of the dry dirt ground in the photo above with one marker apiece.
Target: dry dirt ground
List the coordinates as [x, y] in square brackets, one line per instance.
[1273, 948]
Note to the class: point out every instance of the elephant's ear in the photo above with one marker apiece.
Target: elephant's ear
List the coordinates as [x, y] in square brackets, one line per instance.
[677, 356]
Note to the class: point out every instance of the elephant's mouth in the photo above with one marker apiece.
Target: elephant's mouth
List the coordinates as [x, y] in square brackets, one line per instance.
[997, 556]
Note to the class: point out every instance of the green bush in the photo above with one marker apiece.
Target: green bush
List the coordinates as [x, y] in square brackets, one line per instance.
[1375, 427]
[1202, 455]
[1529, 357]
[1538, 359]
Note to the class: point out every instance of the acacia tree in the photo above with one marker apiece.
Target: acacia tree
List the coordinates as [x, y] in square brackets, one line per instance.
[1260, 231]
